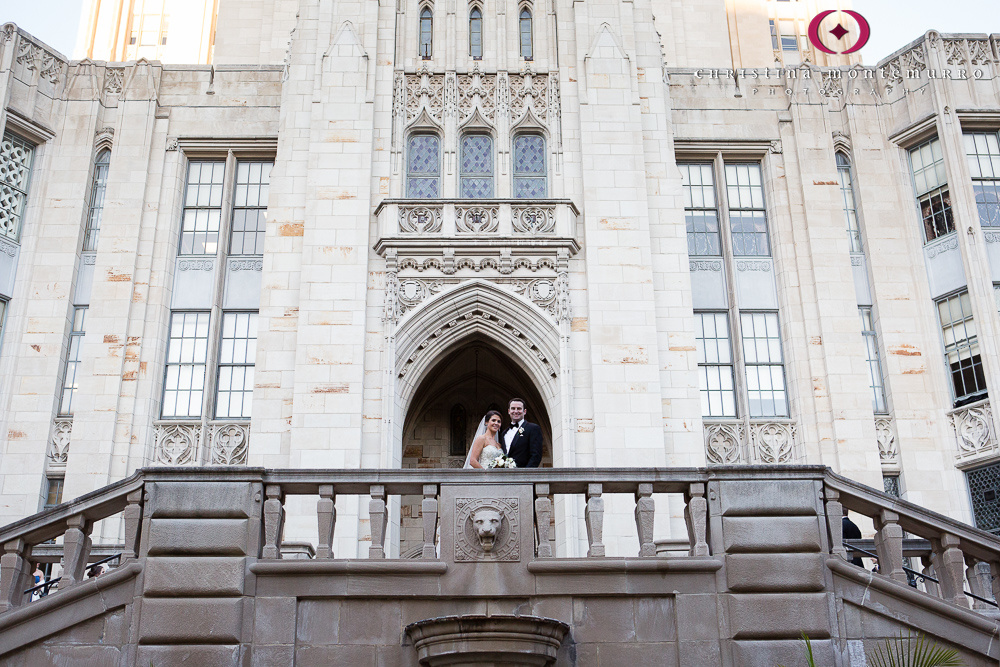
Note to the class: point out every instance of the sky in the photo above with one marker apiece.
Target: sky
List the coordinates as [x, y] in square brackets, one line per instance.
[894, 23]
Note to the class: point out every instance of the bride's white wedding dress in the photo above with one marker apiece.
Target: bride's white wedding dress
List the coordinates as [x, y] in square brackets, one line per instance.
[489, 453]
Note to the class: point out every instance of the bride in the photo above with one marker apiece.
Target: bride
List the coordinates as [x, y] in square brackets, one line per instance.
[485, 447]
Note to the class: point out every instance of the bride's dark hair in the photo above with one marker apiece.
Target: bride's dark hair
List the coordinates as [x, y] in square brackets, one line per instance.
[489, 415]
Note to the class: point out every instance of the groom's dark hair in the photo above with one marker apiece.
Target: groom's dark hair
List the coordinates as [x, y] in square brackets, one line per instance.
[517, 400]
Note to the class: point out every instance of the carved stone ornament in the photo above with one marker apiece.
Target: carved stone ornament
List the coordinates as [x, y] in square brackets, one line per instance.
[944, 246]
[753, 265]
[413, 291]
[196, 264]
[714, 265]
[114, 78]
[246, 265]
[59, 443]
[420, 219]
[229, 444]
[487, 529]
[477, 219]
[973, 428]
[8, 248]
[724, 443]
[177, 444]
[35, 57]
[534, 219]
[541, 292]
[885, 434]
[772, 442]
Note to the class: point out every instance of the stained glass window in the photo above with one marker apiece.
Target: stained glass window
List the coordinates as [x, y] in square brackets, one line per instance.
[477, 167]
[426, 33]
[525, 25]
[423, 166]
[15, 167]
[476, 33]
[530, 181]
[97, 188]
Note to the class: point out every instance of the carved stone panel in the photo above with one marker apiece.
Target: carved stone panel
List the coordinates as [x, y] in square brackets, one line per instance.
[487, 529]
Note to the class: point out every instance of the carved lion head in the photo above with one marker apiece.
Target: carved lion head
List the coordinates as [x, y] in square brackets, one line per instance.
[486, 521]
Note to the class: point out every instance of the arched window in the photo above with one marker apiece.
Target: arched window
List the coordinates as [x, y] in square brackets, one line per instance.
[426, 33]
[477, 167]
[97, 188]
[476, 33]
[525, 22]
[423, 166]
[529, 167]
[847, 200]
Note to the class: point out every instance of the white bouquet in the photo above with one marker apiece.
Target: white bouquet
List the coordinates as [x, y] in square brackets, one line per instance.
[502, 462]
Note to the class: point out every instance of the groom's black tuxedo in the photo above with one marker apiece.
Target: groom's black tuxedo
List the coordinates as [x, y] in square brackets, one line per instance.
[526, 447]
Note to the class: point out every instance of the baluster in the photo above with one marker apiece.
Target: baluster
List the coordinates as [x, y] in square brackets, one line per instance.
[274, 520]
[133, 519]
[13, 572]
[976, 584]
[951, 569]
[995, 579]
[645, 512]
[929, 571]
[543, 520]
[376, 513]
[326, 515]
[594, 516]
[429, 511]
[76, 549]
[696, 517]
[889, 545]
[835, 522]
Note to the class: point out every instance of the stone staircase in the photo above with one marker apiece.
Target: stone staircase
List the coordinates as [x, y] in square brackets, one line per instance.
[202, 580]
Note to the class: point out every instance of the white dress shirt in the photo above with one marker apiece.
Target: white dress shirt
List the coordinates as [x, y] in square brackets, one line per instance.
[508, 437]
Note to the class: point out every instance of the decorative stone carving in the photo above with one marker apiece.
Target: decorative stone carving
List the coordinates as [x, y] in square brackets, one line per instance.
[412, 291]
[477, 219]
[8, 248]
[114, 78]
[950, 243]
[534, 219]
[229, 444]
[885, 434]
[177, 444]
[772, 442]
[476, 264]
[953, 51]
[753, 265]
[196, 265]
[705, 265]
[420, 219]
[528, 90]
[541, 292]
[832, 85]
[477, 91]
[90, 259]
[487, 529]
[973, 429]
[424, 86]
[724, 443]
[59, 443]
[991, 237]
[246, 264]
[979, 52]
[34, 57]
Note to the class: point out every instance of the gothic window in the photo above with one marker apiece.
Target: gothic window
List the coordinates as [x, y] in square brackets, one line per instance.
[477, 167]
[202, 208]
[765, 370]
[15, 168]
[187, 355]
[774, 34]
[875, 379]
[961, 348]
[426, 33]
[890, 484]
[249, 205]
[848, 202]
[97, 188]
[715, 364]
[931, 185]
[525, 29]
[423, 166]
[700, 210]
[983, 151]
[530, 178]
[984, 488]
[69, 386]
[747, 217]
[53, 491]
[459, 426]
[237, 353]
[476, 33]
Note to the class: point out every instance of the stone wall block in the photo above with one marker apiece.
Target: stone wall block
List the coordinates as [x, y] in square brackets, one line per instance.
[781, 652]
[191, 621]
[768, 497]
[209, 537]
[779, 615]
[194, 576]
[775, 572]
[274, 621]
[182, 656]
[189, 499]
[771, 534]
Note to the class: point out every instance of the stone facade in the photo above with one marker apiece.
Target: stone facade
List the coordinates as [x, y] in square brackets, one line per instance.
[380, 316]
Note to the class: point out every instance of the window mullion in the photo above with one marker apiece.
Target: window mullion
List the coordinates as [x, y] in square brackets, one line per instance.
[728, 267]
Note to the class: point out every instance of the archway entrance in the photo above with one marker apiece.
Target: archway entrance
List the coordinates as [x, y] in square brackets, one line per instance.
[475, 376]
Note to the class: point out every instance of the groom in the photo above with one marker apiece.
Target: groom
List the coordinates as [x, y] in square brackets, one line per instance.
[522, 440]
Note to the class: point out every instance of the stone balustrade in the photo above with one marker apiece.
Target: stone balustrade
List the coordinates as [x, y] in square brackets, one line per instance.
[477, 218]
[206, 540]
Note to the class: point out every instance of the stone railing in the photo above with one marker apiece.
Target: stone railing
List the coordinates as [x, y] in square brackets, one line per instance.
[975, 435]
[222, 443]
[477, 218]
[757, 442]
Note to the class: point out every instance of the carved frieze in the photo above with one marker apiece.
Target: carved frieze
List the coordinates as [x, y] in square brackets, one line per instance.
[196, 265]
[487, 529]
[534, 219]
[420, 219]
[724, 443]
[772, 442]
[973, 429]
[477, 219]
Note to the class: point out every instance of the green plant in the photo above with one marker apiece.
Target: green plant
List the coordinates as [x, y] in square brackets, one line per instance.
[912, 651]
